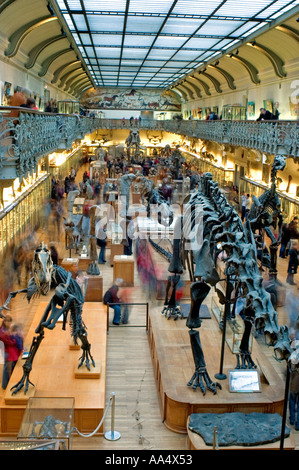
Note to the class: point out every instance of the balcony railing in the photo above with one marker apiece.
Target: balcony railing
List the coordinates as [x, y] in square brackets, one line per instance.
[267, 136]
[26, 135]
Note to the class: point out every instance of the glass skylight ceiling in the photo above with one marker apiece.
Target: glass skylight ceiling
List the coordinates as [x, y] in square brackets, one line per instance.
[138, 43]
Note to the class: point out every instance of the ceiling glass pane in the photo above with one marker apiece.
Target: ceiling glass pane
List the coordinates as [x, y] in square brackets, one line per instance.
[106, 23]
[162, 40]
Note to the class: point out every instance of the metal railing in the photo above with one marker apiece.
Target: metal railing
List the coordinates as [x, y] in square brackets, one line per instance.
[28, 135]
[130, 303]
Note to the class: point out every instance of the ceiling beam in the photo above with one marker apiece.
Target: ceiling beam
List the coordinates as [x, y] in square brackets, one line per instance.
[251, 69]
[46, 64]
[275, 60]
[61, 68]
[34, 53]
[229, 79]
[19, 35]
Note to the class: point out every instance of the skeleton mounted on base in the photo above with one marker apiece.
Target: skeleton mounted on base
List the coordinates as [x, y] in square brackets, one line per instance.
[67, 298]
[209, 228]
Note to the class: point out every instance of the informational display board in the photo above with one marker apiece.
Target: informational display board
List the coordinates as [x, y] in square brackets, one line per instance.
[244, 381]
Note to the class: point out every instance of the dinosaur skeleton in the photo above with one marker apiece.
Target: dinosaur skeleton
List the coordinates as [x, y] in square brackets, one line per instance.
[156, 203]
[197, 244]
[266, 212]
[67, 298]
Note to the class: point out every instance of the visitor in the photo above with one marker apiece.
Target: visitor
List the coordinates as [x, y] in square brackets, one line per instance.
[8, 343]
[17, 348]
[265, 115]
[285, 238]
[293, 262]
[101, 235]
[293, 228]
[111, 298]
[247, 205]
[54, 255]
[294, 399]
[243, 206]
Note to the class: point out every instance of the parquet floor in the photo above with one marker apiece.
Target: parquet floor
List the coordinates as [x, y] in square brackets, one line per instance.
[130, 374]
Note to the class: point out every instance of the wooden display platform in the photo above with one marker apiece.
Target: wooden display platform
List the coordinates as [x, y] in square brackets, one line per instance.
[123, 268]
[174, 366]
[94, 291]
[54, 370]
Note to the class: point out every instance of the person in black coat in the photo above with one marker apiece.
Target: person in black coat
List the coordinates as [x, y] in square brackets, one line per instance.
[285, 238]
[293, 262]
[265, 115]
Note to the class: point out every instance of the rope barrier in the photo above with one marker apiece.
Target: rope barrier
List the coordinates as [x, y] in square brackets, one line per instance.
[112, 399]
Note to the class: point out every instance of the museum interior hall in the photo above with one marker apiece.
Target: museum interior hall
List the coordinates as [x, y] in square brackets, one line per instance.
[149, 237]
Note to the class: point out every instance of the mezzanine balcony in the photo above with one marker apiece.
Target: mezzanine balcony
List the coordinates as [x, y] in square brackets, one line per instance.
[26, 136]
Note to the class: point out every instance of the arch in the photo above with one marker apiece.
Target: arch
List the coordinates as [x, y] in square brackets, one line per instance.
[5, 4]
[18, 36]
[183, 92]
[83, 86]
[252, 71]
[291, 32]
[195, 90]
[187, 90]
[68, 84]
[178, 92]
[46, 64]
[67, 75]
[34, 53]
[61, 68]
[229, 79]
[203, 84]
[76, 83]
[275, 60]
[82, 90]
[215, 82]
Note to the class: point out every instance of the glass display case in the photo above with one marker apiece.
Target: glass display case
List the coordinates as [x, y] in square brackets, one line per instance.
[234, 112]
[29, 445]
[23, 212]
[68, 106]
[49, 419]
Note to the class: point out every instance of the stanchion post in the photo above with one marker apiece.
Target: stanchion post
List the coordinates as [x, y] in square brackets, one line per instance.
[112, 435]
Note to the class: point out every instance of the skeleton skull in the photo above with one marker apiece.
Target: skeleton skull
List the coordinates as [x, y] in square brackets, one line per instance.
[42, 267]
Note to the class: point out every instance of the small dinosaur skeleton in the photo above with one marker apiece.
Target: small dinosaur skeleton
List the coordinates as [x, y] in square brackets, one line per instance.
[67, 298]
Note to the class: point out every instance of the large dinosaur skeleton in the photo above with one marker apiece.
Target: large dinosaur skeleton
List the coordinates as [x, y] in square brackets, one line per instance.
[265, 212]
[208, 229]
[67, 298]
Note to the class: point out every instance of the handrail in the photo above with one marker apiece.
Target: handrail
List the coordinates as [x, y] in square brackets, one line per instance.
[128, 303]
[27, 135]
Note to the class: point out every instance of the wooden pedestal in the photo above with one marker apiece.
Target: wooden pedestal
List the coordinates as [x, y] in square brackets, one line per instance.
[83, 263]
[53, 373]
[116, 249]
[72, 265]
[123, 268]
[94, 292]
[135, 198]
[174, 366]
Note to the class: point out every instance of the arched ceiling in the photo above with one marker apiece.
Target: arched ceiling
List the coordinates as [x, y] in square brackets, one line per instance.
[271, 50]
[194, 47]
[137, 43]
[38, 37]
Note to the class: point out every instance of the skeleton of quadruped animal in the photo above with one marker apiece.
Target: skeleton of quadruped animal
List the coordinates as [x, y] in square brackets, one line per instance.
[219, 230]
[67, 298]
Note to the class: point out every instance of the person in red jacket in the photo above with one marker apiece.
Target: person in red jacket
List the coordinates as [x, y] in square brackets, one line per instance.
[12, 339]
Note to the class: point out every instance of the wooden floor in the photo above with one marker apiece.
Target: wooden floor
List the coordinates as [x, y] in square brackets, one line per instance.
[129, 372]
